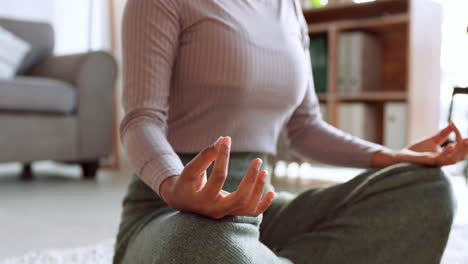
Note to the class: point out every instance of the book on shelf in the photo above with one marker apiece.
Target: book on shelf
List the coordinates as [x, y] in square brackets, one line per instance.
[359, 62]
[359, 119]
[319, 59]
[395, 125]
[324, 111]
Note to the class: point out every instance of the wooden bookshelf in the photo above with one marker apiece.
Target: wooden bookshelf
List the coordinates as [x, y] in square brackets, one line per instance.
[410, 34]
[371, 97]
[364, 97]
[375, 25]
[351, 11]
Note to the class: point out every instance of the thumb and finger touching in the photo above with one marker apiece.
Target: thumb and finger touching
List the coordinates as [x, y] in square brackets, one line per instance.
[454, 152]
[198, 165]
[461, 145]
[245, 201]
[443, 134]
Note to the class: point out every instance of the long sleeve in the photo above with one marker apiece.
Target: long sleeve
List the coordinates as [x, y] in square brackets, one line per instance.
[149, 27]
[313, 138]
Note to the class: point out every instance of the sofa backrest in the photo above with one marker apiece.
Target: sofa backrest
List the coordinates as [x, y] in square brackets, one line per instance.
[39, 35]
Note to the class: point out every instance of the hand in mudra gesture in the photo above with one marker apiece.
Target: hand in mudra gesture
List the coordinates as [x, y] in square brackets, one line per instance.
[191, 191]
[428, 151]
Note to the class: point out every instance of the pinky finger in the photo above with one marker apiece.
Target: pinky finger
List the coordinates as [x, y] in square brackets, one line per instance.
[265, 203]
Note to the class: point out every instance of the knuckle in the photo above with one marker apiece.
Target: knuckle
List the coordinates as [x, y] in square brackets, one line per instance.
[251, 176]
[242, 203]
[239, 199]
[251, 180]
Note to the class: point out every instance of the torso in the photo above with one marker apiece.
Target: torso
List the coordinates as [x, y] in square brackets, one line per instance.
[247, 57]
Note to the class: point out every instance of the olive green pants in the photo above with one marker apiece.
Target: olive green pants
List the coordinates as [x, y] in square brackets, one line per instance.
[401, 214]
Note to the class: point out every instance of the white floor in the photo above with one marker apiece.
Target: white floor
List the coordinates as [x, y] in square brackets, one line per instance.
[59, 210]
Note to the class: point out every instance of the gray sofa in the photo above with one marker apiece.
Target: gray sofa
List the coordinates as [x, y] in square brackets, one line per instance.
[57, 107]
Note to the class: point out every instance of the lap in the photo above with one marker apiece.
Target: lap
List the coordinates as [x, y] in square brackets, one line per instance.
[348, 221]
[189, 238]
[377, 217]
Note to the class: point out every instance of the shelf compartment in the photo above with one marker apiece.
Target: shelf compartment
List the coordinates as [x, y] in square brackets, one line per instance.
[322, 97]
[355, 11]
[379, 24]
[377, 96]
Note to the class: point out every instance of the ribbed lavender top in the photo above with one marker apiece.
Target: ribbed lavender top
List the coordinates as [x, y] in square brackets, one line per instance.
[195, 70]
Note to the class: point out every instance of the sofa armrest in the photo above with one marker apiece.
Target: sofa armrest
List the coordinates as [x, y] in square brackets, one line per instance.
[94, 75]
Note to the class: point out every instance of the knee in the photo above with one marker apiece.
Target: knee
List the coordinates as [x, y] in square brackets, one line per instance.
[423, 190]
[434, 196]
[440, 188]
[189, 238]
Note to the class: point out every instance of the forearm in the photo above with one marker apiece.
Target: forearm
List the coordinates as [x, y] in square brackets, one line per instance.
[149, 152]
[386, 157]
[319, 141]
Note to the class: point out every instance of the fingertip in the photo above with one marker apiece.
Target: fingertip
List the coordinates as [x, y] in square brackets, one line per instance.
[227, 140]
[271, 195]
[255, 164]
[217, 141]
[261, 161]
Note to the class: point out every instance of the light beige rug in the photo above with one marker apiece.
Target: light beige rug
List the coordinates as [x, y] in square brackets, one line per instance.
[101, 253]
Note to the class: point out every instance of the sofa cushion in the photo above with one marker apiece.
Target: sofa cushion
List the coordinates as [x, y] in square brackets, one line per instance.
[12, 52]
[39, 35]
[27, 94]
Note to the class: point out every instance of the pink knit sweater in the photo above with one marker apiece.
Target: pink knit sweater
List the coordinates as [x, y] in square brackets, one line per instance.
[195, 70]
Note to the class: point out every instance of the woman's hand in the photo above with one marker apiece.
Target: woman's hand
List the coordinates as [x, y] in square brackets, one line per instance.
[191, 191]
[427, 152]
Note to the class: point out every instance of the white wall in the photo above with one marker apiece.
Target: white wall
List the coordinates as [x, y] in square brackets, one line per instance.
[41, 10]
[70, 20]
[454, 60]
[72, 24]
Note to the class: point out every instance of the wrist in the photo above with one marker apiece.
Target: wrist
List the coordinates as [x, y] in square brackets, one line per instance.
[384, 158]
[166, 187]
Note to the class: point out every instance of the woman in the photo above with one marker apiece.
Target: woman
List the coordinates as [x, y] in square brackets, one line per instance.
[198, 69]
